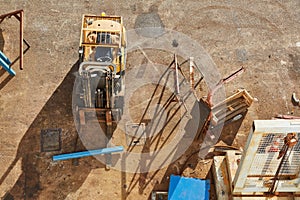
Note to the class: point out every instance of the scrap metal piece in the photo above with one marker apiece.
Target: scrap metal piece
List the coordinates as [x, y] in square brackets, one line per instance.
[231, 107]
[279, 116]
[192, 73]
[295, 100]
[192, 77]
[222, 82]
[177, 83]
[290, 141]
[176, 75]
[258, 169]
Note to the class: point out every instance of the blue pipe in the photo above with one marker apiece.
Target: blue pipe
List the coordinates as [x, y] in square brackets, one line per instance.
[7, 67]
[3, 57]
[88, 153]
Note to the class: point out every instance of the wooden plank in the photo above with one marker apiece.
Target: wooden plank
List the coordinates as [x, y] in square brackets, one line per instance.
[232, 161]
[221, 178]
[246, 161]
[240, 94]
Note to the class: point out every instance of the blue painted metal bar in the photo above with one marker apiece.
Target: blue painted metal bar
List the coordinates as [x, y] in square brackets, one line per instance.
[3, 57]
[88, 153]
[7, 67]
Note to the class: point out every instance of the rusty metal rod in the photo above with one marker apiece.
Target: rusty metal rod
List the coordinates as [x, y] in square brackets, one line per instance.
[279, 116]
[192, 73]
[21, 39]
[290, 141]
[10, 14]
[176, 76]
[222, 82]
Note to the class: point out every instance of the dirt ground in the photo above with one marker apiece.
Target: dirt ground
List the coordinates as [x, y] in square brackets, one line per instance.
[259, 35]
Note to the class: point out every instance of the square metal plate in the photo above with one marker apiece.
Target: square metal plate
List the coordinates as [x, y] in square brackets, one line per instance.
[51, 140]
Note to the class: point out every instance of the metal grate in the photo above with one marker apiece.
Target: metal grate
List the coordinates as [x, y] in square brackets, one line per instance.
[265, 162]
[50, 140]
[261, 169]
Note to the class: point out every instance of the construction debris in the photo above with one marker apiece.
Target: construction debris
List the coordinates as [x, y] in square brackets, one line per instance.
[286, 117]
[232, 107]
[269, 165]
[226, 114]
[222, 82]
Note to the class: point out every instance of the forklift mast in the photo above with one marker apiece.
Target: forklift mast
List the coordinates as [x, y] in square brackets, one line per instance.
[102, 61]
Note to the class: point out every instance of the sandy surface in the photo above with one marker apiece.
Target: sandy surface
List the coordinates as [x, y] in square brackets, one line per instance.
[259, 35]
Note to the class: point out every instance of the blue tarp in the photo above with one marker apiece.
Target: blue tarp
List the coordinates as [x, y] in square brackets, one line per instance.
[183, 188]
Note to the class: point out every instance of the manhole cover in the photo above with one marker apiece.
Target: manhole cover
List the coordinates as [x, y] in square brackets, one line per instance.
[50, 140]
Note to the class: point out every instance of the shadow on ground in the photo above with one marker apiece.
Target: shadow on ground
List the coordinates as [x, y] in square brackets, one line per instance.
[189, 164]
[5, 80]
[41, 177]
[2, 71]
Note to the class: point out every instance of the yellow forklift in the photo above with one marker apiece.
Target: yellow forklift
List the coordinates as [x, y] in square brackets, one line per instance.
[102, 59]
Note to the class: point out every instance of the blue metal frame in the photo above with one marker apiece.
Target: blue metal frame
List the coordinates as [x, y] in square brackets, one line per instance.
[88, 153]
[5, 62]
[3, 57]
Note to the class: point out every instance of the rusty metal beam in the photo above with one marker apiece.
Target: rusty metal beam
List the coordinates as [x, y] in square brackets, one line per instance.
[176, 75]
[279, 116]
[222, 82]
[10, 14]
[21, 39]
[192, 74]
[109, 132]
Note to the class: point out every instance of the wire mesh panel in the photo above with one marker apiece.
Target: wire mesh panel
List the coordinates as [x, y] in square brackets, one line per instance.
[268, 162]
[265, 162]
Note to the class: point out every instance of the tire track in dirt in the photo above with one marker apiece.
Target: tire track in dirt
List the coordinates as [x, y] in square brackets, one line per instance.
[272, 26]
